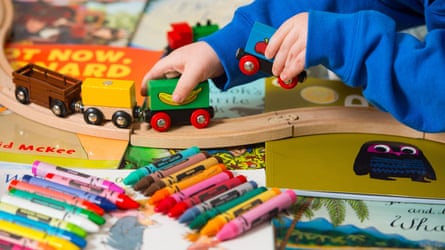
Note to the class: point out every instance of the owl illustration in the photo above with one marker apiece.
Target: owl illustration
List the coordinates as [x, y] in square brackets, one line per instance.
[387, 159]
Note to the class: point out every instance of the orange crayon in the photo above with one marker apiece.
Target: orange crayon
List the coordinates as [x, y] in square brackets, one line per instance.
[176, 187]
[214, 225]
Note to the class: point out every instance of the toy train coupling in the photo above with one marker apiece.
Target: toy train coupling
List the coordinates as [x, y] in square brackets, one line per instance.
[77, 106]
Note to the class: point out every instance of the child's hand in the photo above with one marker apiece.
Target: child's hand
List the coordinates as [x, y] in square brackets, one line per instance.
[194, 63]
[288, 46]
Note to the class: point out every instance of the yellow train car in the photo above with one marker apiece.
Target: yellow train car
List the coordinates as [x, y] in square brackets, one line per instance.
[109, 99]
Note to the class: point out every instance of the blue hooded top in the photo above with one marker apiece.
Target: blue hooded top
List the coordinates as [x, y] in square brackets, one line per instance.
[362, 42]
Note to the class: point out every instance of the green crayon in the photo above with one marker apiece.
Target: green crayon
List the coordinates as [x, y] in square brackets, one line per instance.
[92, 216]
[202, 219]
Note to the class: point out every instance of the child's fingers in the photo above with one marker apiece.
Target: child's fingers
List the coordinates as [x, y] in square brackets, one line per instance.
[186, 83]
[274, 43]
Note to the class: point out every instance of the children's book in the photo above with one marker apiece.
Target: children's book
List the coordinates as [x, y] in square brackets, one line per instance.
[76, 22]
[370, 166]
[24, 141]
[154, 24]
[319, 223]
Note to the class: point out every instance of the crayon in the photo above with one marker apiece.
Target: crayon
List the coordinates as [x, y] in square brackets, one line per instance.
[167, 203]
[51, 193]
[10, 241]
[214, 225]
[257, 215]
[227, 196]
[78, 220]
[41, 169]
[206, 194]
[162, 163]
[164, 192]
[65, 207]
[146, 181]
[96, 199]
[79, 241]
[181, 175]
[8, 244]
[55, 242]
[50, 221]
[202, 219]
[121, 200]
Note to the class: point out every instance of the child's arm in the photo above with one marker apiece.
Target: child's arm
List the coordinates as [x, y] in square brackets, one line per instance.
[397, 72]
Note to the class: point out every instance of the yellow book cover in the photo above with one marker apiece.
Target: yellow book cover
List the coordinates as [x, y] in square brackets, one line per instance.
[350, 165]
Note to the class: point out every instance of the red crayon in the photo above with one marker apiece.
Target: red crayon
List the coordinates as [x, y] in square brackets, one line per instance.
[167, 203]
[122, 201]
[204, 195]
[51, 193]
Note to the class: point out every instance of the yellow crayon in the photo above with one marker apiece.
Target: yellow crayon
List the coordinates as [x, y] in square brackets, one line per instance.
[214, 225]
[166, 191]
[33, 234]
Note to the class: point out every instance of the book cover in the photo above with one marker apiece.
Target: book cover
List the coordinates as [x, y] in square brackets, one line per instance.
[76, 22]
[350, 165]
[318, 223]
[323, 165]
[154, 24]
[24, 141]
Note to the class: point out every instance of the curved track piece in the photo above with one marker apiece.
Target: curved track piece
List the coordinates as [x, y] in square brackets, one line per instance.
[220, 133]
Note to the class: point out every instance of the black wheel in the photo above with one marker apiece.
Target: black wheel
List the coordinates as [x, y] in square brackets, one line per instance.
[93, 116]
[121, 119]
[22, 95]
[58, 108]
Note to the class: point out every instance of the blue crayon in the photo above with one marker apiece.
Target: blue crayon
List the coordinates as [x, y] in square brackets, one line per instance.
[41, 226]
[231, 194]
[104, 203]
[160, 164]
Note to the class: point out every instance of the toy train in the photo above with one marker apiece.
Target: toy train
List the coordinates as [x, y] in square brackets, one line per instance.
[101, 100]
[252, 59]
[182, 33]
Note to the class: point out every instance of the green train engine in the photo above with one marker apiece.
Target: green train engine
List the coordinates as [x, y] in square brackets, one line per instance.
[160, 111]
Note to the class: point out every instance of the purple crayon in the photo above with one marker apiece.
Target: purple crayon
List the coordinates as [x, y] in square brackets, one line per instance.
[42, 169]
[257, 215]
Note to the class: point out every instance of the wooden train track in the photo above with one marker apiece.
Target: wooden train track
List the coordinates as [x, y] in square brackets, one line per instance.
[222, 132]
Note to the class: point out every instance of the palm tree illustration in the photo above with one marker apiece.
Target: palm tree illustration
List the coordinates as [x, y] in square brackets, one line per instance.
[306, 206]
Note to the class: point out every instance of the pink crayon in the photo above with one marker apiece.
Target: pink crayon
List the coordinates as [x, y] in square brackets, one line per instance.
[170, 201]
[42, 169]
[16, 242]
[257, 215]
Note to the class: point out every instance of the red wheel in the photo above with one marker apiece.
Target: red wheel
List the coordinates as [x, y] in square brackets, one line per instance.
[160, 122]
[288, 85]
[200, 118]
[249, 65]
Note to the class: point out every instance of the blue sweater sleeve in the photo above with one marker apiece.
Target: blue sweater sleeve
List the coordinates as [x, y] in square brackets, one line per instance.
[361, 42]
[397, 72]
